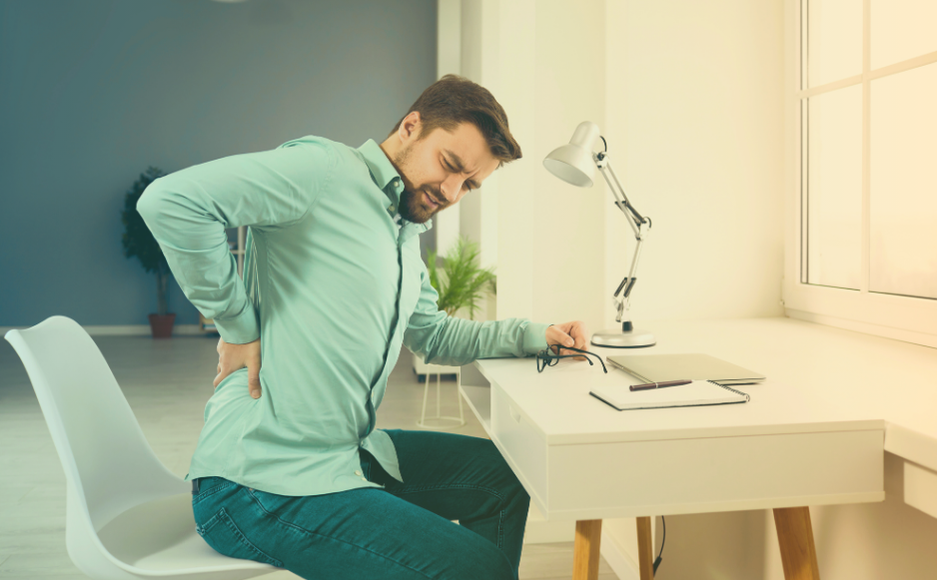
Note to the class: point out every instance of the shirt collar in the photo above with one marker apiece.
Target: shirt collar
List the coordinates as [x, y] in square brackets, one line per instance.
[387, 178]
[382, 171]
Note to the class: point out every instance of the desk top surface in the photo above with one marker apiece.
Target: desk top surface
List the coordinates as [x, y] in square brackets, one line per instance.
[819, 379]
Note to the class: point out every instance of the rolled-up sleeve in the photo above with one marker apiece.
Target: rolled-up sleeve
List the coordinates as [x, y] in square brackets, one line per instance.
[443, 339]
[188, 212]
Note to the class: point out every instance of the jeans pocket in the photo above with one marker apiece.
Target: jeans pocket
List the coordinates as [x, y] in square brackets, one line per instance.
[209, 486]
[223, 535]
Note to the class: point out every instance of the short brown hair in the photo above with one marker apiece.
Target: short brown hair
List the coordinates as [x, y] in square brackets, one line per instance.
[453, 100]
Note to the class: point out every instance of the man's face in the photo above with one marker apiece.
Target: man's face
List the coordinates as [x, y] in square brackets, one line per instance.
[439, 169]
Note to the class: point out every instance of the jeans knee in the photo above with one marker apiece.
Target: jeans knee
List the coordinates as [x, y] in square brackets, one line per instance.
[513, 489]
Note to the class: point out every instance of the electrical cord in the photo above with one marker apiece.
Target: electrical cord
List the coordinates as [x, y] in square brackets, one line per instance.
[660, 555]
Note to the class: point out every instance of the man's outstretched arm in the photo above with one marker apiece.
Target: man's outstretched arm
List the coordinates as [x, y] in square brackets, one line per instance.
[442, 339]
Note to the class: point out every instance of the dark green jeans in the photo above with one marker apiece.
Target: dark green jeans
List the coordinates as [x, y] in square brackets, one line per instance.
[400, 532]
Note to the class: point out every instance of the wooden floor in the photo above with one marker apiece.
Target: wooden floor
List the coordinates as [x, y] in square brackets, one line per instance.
[167, 383]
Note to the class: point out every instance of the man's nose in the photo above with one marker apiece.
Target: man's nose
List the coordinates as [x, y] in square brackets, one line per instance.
[451, 187]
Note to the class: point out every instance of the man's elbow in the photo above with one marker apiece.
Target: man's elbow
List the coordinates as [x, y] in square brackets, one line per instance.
[151, 202]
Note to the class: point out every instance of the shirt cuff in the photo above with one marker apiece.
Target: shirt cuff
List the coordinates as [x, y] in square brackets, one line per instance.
[535, 337]
[240, 329]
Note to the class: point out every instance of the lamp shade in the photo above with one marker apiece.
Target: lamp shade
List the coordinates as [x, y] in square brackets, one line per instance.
[573, 162]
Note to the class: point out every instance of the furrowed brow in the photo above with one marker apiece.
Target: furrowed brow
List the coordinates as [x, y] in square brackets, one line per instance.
[456, 161]
[459, 166]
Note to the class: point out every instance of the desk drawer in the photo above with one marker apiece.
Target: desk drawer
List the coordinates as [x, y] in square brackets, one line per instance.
[522, 445]
[678, 476]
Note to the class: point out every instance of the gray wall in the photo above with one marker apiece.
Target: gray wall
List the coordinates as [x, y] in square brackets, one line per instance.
[93, 92]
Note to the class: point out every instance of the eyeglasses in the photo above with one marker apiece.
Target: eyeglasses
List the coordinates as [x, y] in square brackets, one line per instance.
[547, 358]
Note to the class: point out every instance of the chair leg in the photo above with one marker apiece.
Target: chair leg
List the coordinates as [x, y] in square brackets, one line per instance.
[795, 536]
[425, 398]
[458, 394]
[438, 421]
[439, 395]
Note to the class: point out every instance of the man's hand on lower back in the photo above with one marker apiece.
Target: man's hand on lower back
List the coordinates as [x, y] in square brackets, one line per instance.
[233, 357]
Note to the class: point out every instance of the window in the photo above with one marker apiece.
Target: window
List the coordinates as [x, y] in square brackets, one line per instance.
[862, 243]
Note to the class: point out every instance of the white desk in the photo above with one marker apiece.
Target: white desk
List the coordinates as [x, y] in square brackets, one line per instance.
[804, 439]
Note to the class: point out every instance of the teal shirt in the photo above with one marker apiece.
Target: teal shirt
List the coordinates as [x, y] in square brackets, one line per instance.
[333, 285]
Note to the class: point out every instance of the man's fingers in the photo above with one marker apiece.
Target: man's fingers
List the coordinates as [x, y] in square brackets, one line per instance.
[568, 340]
[570, 334]
[234, 357]
[579, 333]
[253, 380]
[557, 335]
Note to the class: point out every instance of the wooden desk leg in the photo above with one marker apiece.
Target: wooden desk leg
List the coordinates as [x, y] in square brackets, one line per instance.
[645, 549]
[795, 535]
[586, 550]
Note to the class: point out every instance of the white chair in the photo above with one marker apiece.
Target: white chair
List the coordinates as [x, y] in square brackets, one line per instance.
[127, 516]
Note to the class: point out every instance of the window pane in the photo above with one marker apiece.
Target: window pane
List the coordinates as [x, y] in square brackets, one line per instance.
[834, 40]
[903, 218]
[902, 29]
[834, 188]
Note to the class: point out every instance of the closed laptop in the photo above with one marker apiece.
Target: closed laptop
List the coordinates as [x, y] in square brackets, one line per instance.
[652, 368]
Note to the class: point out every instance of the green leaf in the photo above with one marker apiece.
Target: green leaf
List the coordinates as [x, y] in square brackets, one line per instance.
[463, 282]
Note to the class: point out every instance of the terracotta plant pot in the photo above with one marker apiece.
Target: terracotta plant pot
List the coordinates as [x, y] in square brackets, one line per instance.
[161, 325]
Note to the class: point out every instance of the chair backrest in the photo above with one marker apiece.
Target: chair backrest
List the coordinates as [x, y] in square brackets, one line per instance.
[109, 466]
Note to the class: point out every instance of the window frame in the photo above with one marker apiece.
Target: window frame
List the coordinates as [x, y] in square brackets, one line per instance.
[905, 318]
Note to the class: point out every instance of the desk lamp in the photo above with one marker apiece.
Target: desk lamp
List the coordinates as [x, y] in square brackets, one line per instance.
[575, 163]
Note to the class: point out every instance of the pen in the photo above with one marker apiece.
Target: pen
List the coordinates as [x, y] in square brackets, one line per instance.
[660, 385]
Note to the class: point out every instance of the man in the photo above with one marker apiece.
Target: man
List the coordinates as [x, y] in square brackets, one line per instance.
[289, 469]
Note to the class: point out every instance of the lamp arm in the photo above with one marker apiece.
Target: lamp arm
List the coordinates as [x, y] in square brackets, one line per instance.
[628, 281]
[635, 219]
[639, 225]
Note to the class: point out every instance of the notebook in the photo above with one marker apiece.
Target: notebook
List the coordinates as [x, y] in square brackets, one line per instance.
[651, 368]
[694, 394]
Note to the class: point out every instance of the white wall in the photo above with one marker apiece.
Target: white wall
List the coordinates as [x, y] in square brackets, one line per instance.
[544, 62]
[695, 120]
[448, 61]
[689, 97]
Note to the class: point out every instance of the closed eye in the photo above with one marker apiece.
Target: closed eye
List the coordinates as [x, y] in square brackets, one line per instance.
[468, 185]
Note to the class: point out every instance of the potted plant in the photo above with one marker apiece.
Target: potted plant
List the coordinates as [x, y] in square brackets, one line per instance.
[138, 241]
[461, 285]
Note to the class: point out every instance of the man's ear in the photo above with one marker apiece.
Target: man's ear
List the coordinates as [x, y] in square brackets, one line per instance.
[410, 127]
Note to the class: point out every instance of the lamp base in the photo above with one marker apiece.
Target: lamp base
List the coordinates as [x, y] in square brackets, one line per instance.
[617, 338]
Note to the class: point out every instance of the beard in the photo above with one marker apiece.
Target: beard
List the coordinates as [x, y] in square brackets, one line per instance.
[412, 206]
[414, 209]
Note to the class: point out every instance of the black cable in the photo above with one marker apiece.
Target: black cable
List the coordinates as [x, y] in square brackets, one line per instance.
[660, 555]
